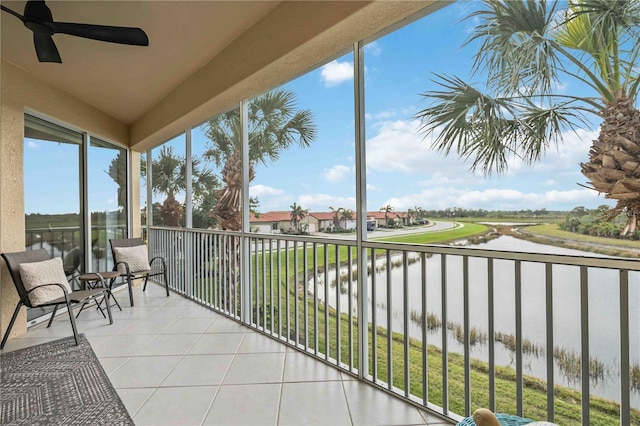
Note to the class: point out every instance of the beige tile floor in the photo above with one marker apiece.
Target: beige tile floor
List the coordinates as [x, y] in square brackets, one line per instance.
[174, 362]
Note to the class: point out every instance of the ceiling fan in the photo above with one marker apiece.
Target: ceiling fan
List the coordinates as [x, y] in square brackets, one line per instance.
[38, 18]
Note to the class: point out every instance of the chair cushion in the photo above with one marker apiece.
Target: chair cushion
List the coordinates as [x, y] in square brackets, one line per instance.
[136, 257]
[35, 274]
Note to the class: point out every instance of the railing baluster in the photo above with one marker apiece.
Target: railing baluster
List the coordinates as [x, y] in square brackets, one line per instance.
[405, 313]
[467, 335]
[305, 281]
[296, 285]
[425, 328]
[374, 319]
[350, 306]
[279, 283]
[288, 290]
[326, 302]
[389, 324]
[584, 337]
[264, 283]
[338, 309]
[549, 324]
[625, 373]
[271, 327]
[315, 299]
[518, 302]
[445, 345]
[491, 337]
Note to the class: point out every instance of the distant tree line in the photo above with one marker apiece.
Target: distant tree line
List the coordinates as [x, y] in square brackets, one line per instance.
[497, 214]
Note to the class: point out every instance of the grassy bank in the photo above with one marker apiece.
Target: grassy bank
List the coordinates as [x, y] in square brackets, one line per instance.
[550, 234]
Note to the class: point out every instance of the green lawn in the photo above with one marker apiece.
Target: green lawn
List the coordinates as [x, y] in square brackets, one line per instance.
[437, 237]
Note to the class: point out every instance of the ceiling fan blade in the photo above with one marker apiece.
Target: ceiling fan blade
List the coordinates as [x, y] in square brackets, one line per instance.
[122, 35]
[46, 48]
[17, 15]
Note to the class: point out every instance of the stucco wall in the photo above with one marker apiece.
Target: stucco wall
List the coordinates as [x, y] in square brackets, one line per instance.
[21, 93]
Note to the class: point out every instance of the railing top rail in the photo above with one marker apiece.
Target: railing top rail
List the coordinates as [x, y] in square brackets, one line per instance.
[560, 259]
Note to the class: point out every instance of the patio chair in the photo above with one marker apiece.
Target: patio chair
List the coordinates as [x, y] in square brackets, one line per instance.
[40, 281]
[131, 259]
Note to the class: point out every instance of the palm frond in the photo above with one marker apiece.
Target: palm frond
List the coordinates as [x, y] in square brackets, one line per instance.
[489, 131]
[515, 51]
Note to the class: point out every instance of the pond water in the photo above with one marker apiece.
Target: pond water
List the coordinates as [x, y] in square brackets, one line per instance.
[603, 318]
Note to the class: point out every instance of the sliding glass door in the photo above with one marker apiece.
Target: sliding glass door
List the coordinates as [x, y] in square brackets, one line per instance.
[107, 199]
[75, 192]
[54, 216]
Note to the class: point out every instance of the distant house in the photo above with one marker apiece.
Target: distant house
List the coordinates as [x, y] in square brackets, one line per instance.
[326, 222]
[398, 218]
[280, 221]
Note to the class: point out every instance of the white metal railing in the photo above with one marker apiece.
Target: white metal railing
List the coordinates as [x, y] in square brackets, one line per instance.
[446, 325]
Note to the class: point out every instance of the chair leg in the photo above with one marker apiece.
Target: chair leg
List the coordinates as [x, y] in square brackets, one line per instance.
[166, 281]
[73, 322]
[146, 278]
[98, 307]
[113, 280]
[81, 308]
[13, 320]
[130, 284]
[53, 315]
[107, 292]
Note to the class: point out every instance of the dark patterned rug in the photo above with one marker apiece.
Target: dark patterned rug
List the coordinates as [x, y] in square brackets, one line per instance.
[58, 383]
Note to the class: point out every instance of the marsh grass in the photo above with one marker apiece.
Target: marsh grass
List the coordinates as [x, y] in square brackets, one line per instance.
[570, 364]
[528, 347]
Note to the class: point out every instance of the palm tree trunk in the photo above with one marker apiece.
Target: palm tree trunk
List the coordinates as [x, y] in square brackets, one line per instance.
[228, 213]
[614, 161]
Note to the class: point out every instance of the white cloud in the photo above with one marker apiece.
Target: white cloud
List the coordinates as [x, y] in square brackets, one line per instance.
[398, 147]
[33, 145]
[371, 187]
[335, 72]
[321, 202]
[337, 173]
[373, 48]
[495, 199]
[263, 190]
[270, 198]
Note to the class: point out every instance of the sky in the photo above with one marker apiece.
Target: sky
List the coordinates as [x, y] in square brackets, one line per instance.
[402, 170]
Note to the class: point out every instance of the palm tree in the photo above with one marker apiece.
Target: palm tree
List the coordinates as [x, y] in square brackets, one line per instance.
[336, 216]
[167, 179]
[386, 209]
[205, 186]
[347, 214]
[528, 49]
[275, 124]
[297, 214]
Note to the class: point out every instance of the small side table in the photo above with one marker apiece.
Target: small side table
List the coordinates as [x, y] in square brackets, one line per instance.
[99, 279]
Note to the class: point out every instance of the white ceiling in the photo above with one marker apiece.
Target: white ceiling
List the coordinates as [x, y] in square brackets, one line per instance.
[183, 37]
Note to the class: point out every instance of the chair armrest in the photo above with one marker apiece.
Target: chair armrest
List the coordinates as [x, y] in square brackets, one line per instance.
[126, 265]
[64, 290]
[161, 259]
